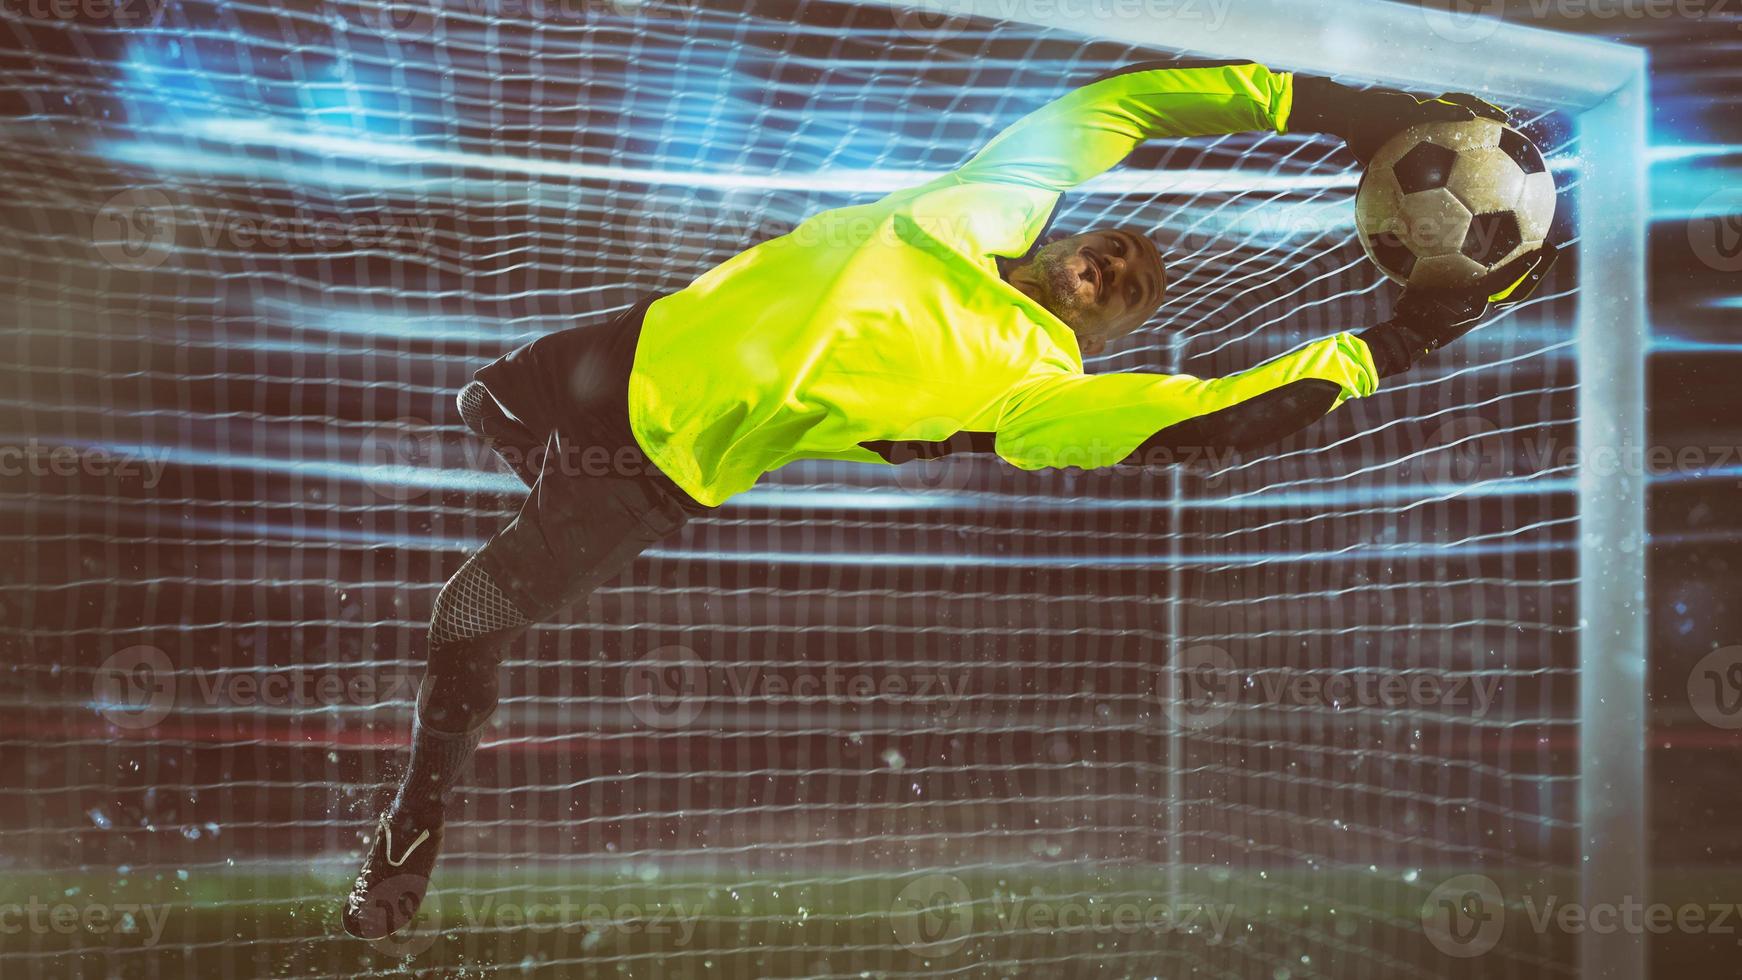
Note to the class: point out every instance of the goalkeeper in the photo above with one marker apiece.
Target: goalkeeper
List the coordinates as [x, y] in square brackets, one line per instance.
[943, 318]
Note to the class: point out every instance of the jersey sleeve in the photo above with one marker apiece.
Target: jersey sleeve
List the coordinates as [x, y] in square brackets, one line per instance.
[1060, 418]
[1001, 200]
[1091, 129]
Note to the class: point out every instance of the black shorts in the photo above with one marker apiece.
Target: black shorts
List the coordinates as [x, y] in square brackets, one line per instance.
[596, 501]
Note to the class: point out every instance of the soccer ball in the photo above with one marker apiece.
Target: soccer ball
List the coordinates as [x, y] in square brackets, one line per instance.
[1444, 203]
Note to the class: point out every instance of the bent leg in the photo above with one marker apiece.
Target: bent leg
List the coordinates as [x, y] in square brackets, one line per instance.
[575, 531]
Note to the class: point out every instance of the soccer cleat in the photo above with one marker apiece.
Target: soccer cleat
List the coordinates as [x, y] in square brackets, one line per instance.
[395, 876]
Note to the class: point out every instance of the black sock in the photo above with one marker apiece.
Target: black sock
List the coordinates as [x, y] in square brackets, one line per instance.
[437, 759]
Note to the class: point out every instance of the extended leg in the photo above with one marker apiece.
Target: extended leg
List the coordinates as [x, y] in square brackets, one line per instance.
[574, 532]
[472, 624]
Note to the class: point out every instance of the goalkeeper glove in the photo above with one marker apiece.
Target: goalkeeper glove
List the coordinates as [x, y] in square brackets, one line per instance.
[1426, 319]
[1366, 118]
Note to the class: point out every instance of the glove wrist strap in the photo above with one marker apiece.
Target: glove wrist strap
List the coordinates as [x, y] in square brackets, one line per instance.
[1396, 346]
[1320, 106]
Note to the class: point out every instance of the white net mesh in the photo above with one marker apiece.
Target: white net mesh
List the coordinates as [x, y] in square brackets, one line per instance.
[947, 718]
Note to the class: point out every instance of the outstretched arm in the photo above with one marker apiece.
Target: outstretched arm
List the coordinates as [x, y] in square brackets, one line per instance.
[1091, 129]
[1059, 418]
[1066, 419]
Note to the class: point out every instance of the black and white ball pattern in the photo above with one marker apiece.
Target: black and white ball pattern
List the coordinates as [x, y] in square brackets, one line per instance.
[1442, 204]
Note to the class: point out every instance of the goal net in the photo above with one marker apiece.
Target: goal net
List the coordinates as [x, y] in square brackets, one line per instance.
[1309, 712]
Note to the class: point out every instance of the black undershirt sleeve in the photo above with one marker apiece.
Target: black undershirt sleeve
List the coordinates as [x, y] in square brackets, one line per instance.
[1271, 417]
[1259, 421]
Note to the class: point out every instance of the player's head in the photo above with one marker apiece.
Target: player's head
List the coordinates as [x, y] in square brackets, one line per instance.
[1103, 284]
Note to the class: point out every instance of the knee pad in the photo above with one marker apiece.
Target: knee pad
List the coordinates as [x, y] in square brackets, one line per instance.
[507, 438]
[477, 408]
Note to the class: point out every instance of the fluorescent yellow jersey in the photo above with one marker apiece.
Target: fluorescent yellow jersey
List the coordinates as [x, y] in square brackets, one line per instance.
[890, 321]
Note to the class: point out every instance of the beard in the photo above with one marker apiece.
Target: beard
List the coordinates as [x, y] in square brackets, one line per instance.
[1057, 284]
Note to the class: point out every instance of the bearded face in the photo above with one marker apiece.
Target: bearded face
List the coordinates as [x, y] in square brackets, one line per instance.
[1102, 284]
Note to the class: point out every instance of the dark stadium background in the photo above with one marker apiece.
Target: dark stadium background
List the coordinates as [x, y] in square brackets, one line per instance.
[1695, 529]
[1695, 520]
